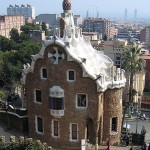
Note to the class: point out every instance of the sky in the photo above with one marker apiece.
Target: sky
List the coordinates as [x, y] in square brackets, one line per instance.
[106, 8]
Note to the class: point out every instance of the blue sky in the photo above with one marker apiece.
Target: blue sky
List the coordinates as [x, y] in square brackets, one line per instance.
[106, 7]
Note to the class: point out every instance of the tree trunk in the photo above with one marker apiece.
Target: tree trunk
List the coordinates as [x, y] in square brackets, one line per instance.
[130, 93]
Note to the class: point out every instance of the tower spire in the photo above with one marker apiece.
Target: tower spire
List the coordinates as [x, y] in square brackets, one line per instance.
[66, 5]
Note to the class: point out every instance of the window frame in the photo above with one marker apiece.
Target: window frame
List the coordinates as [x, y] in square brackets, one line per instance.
[56, 103]
[36, 125]
[116, 124]
[35, 96]
[68, 75]
[79, 107]
[42, 77]
[77, 132]
[53, 129]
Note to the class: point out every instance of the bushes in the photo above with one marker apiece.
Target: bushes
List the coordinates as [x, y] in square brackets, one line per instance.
[24, 145]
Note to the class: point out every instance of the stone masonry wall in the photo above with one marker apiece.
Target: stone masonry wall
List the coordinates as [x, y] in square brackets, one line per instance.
[112, 108]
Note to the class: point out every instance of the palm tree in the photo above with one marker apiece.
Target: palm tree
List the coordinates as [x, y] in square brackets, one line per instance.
[133, 63]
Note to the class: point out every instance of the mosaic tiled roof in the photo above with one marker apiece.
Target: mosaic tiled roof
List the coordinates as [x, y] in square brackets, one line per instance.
[66, 5]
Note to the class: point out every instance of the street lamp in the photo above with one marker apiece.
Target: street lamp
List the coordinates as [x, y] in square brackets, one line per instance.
[136, 121]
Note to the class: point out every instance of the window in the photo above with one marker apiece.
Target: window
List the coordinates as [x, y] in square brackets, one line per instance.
[39, 125]
[74, 132]
[38, 96]
[118, 60]
[81, 100]
[56, 98]
[44, 73]
[114, 124]
[56, 103]
[55, 128]
[71, 75]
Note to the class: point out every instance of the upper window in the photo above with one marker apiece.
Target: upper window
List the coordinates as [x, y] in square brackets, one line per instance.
[38, 96]
[81, 100]
[71, 75]
[39, 125]
[55, 128]
[114, 124]
[44, 73]
[74, 132]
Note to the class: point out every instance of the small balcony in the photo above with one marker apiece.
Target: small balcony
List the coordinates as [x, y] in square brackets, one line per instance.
[56, 113]
[145, 101]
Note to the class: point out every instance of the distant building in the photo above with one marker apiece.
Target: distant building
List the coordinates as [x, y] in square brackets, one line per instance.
[145, 96]
[92, 35]
[128, 34]
[135, 14]
[27, 11]
[99, 25]
[145, 34]
[125, 14]
[9, 22]
[51, 19]
[78, 20]
[113, 32]
[37, 36]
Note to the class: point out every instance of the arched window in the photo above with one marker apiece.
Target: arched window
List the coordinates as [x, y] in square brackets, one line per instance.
[39, 125]
[55, 128]
[44, 73]
[73, 132]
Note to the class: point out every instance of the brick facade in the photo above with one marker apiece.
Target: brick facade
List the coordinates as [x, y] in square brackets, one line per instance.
[94, 121]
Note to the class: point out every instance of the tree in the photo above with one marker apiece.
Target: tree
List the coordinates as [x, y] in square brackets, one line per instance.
[11, 62]
[14, 35]
[105, 37]
[29, 26]
[44, 28]
[133, 63]
[6, 44]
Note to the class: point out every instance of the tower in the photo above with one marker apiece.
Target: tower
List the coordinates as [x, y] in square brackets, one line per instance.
[87, 14]
[97, 14]
[135, 14]
[125, 14]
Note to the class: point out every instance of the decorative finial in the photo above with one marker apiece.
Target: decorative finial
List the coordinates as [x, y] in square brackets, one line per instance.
[66, 5]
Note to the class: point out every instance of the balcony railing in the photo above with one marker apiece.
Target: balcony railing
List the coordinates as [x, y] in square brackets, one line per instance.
[146, 97]
[57, 113]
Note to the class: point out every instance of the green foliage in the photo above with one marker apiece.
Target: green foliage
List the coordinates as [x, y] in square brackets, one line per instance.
[6, 44]
[133, 63]
[25, 145]
[29, 26]
[105, 37]
[15, 52]
[14, 35]
[134, 92]
[44, 27]
[132, 60]
[11, 63]
[2, 95]
[25, 34]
